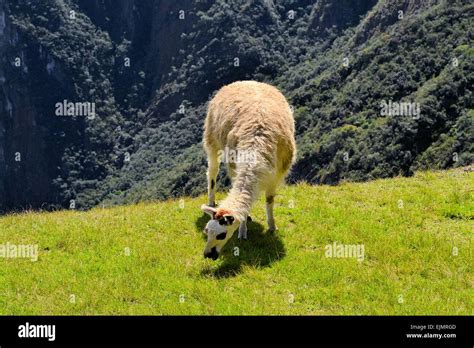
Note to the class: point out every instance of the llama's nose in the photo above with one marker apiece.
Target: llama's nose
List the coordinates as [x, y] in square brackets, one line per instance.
[213, 254]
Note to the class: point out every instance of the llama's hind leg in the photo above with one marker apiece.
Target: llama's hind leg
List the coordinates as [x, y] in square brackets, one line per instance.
[212, 171]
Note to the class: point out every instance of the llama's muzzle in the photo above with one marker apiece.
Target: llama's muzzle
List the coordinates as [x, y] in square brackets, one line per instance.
[213, 254]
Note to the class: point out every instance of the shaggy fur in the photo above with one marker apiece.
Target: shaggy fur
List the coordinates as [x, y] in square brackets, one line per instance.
[249, 117]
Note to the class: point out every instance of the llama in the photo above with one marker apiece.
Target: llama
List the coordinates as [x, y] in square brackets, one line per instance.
[252, 121]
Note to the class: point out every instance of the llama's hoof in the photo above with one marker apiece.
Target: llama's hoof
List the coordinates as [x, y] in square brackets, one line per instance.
[272, 229]
[242, 235]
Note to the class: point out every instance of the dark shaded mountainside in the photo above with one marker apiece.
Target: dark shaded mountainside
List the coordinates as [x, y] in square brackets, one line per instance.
[150, 67]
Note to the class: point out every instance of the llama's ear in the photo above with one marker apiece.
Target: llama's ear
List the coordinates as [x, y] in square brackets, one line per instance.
[209, 210]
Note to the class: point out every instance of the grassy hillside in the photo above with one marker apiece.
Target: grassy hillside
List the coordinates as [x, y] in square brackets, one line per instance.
[147, 258]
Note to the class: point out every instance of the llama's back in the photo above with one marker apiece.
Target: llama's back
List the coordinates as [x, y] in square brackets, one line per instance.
[250, 115]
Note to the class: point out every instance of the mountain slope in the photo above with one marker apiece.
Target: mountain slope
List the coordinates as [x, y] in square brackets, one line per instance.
[147, 258]
[341, 133]
[151, 66]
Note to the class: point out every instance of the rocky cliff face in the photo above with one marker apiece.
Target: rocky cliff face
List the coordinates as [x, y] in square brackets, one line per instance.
[149, 67]
[25, 172]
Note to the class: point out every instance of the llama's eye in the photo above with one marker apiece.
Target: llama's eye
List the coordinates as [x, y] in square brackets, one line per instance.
[226, 220]
[221, 236]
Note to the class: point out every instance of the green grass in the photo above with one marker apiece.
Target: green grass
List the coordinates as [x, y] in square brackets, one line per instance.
[408, 226]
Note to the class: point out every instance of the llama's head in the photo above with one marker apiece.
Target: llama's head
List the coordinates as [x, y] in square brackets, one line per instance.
[218, 230]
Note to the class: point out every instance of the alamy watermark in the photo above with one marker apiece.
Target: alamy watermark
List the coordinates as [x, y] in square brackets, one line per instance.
[79, 109]
[236, 156]
[13, 251]
[345, 251]
[28, 330]
[392, 108]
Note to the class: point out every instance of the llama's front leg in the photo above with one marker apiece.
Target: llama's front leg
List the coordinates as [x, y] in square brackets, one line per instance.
[243, 230]
[213, 169]
[270, 199]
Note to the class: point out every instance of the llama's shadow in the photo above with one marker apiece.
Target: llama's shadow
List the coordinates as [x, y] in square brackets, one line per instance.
[260, 250]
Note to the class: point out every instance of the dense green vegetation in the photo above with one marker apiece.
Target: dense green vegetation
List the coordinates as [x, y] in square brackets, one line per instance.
[336, 61]
[147, 258]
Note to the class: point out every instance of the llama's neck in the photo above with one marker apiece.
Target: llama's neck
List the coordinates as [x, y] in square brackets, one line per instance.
[244, 191]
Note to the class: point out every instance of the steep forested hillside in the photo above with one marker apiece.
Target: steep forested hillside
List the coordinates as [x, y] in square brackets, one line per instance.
[151, 66]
